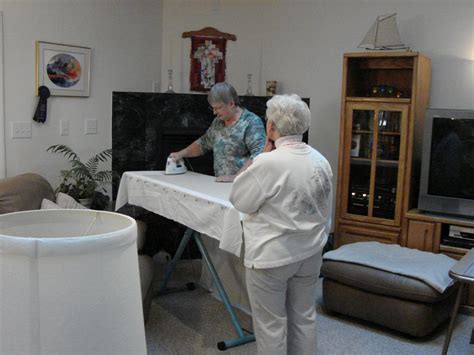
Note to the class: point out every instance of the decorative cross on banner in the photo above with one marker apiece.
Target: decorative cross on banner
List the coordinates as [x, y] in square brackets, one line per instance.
[208, 47]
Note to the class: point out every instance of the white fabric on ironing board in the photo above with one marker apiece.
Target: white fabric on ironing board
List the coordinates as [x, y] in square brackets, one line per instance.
[433, 269]
[192, 199]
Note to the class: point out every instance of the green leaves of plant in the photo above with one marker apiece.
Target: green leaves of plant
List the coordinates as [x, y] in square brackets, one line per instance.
[67, 152]
[82, 180]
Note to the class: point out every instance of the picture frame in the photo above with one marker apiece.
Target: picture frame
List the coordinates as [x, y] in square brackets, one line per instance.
[63, 69]
[355, 145]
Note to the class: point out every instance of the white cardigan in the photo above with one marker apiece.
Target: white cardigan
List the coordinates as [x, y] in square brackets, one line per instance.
[286, 195]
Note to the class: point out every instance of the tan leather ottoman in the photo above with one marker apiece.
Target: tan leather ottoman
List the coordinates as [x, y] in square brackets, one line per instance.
[392, 300]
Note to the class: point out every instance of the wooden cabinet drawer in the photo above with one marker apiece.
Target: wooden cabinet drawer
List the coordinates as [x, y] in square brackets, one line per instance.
[421, 235]
[350, 234]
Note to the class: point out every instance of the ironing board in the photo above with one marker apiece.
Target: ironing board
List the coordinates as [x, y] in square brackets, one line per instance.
[198, 202]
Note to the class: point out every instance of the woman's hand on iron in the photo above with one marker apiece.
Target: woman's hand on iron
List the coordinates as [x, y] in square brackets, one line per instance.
[176, 156]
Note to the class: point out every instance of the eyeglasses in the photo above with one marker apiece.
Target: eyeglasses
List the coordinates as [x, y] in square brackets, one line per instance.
[218, 107]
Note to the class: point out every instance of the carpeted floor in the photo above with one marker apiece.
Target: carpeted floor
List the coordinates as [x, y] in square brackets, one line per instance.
[193, 322]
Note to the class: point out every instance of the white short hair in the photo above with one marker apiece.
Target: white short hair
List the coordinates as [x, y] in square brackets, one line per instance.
[289, 114]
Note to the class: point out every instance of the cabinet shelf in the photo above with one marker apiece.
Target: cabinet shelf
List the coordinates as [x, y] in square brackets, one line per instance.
[380, 162]
[361, 161]
[387, 163]
[386, 133]
[379, 99]
[419, 215]
[383, 62]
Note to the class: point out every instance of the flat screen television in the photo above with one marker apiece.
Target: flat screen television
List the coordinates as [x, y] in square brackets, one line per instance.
[447, 168]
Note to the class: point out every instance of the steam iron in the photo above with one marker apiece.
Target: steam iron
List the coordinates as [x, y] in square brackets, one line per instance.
[175, 167]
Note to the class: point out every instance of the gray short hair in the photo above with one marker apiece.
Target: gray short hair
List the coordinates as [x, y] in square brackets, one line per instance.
[223, 92]
[289, 114]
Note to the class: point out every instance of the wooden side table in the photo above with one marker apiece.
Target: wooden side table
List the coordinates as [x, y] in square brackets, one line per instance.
[462, 272]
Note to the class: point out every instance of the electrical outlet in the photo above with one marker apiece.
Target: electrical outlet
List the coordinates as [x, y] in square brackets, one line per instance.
[91, 126]
[64, 127]
[21, 129]
[155, 87]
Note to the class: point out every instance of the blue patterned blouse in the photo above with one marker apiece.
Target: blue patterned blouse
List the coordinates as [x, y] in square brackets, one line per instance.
[233, 145]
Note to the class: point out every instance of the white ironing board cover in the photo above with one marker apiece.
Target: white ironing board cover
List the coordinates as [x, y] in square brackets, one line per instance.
[192, 199]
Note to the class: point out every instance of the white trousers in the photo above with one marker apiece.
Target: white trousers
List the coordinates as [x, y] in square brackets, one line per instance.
[283, 302]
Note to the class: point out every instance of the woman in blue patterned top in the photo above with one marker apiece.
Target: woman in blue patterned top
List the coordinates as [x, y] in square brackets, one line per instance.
[236, 136]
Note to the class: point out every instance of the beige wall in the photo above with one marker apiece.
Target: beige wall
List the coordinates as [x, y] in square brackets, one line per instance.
[301, 43]
[125, 37]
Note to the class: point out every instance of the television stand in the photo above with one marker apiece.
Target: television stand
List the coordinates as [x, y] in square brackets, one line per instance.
[429, 232]
[426, 231]
[444, 216]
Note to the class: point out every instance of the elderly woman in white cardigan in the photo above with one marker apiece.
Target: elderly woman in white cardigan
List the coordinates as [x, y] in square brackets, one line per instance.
[286, 195]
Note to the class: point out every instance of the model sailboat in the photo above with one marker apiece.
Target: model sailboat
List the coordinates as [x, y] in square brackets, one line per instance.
[383, 34]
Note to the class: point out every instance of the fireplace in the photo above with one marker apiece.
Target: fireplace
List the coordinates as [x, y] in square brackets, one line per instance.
[147, 127]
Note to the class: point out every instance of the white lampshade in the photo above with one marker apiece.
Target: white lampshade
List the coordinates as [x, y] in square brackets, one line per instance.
[69, 283]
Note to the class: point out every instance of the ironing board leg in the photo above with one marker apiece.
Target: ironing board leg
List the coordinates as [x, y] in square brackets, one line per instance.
[182, 245]
[242, 338]
[449, 332]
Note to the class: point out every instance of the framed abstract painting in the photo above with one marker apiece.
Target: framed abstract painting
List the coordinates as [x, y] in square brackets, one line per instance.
[63, 69]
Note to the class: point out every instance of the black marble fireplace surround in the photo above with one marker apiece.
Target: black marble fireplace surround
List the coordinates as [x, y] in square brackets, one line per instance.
[147, 127]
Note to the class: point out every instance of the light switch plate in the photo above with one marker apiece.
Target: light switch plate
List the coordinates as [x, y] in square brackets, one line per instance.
[64, 127]
[91, 126]
[21, 129]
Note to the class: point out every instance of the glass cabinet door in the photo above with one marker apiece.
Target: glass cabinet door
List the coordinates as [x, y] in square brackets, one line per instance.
[373, 159]
[360, 166]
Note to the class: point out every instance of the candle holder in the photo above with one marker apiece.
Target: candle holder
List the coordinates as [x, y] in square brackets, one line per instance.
[170, 82]
[249, 85]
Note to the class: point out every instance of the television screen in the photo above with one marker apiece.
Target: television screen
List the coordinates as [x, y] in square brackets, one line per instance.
[447, 165]
[452, 158]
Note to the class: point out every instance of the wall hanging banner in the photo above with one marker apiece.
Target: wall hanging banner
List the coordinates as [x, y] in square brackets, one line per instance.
[207, 62]
[208, 47]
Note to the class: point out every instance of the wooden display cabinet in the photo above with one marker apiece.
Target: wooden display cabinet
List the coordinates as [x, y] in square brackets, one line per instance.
[384, 96]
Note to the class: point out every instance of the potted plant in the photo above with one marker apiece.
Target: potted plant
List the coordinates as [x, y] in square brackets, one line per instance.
[84, 181]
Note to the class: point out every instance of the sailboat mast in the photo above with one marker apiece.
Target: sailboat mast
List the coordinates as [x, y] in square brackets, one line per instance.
[376, 31]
